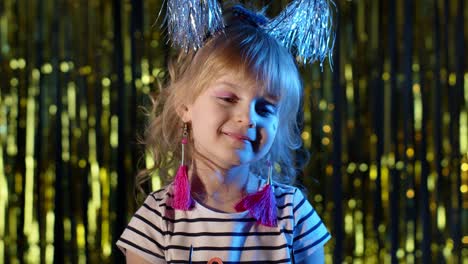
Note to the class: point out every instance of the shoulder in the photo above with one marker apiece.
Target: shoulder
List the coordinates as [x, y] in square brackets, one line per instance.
[156, 205]
[284, 189]
[287, 199]
[301, 209]
[159, 198]
[285, 193]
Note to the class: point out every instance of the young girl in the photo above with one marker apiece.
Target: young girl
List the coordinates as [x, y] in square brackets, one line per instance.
[229, 117]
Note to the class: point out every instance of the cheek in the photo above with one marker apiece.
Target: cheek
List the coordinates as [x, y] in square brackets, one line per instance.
[270, 131]
[207, 120]
[274, 126]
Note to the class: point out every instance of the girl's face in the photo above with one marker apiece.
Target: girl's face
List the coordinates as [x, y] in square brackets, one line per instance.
[233, 123]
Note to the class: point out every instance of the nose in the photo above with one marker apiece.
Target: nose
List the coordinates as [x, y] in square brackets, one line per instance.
[247, 120]
[247, 116]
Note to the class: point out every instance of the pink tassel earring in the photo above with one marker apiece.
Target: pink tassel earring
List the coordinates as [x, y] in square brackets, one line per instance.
[262, 204]
[182, 199]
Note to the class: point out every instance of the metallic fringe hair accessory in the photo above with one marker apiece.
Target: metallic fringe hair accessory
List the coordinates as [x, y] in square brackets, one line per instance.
[189, 22]
[305, 28]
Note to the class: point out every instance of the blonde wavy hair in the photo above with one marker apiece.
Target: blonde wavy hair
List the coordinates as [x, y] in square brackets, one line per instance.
[259, 58]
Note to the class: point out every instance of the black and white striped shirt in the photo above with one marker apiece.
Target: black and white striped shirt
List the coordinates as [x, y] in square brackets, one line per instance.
[161, 234]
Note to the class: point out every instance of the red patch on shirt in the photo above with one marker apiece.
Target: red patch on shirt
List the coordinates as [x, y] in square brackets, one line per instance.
[215, 260]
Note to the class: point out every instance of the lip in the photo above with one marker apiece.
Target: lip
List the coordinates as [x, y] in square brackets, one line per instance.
[237, 136]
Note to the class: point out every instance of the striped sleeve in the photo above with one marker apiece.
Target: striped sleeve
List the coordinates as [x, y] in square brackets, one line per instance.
[309, 231]
[144, 234]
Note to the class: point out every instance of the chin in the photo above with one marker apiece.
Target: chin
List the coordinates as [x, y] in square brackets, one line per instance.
[245, 158]
[236, 160]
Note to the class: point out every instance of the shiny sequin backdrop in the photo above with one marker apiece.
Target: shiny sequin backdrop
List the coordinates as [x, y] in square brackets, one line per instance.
[387, 129]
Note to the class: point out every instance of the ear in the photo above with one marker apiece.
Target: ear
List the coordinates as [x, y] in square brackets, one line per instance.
[183, 111]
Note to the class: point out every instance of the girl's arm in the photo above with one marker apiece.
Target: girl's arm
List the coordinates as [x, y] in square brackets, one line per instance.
[133, 258]
[316, 257]
[310, 234]
[141, 242]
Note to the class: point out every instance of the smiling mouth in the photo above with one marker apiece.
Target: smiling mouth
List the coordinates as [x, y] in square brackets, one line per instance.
[240, 138]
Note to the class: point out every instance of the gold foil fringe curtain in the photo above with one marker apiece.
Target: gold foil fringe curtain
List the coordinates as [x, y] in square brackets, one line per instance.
[387, 129]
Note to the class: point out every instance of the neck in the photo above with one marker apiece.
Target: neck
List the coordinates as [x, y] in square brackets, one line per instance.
[221, 189]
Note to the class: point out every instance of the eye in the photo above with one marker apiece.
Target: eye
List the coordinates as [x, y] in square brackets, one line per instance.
[265, 108]
[228, 99]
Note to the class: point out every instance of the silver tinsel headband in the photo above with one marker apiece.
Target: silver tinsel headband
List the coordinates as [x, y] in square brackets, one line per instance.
[189, 22]
[304, 27]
